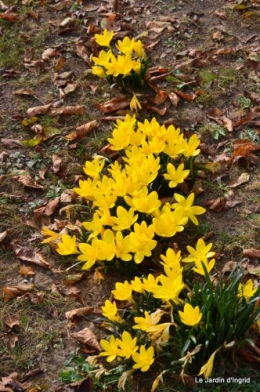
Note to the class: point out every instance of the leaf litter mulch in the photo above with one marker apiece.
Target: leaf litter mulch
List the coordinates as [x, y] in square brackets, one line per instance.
[204, 78]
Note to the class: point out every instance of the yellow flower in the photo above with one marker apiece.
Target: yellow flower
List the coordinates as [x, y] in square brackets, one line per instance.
[110, 311]
[126, 46]
[123, 291]
[120, 65]
[175, 142]
[93, 168]
[199, 268]
[105, 38]
[106, 245]
[98, 71]
[150, 283]
[52, 235]
[143, 323]
[121, 134]
[144, 359]
[127, 346]
[176, 176]
[86, 188]
[89, 253]
[137, 285]
[169, 289]
[246, 290]
[125, 219]
[172, 259]
[206, 369]
[103, 58]
[123, 247]
[110, 347]
[190, 147]
[169, 222]
[135, 104]
[146, 203]
[190, 316]
[200, 253]
[139, 49]
[142, 242]
[68, 245]
[187, 208]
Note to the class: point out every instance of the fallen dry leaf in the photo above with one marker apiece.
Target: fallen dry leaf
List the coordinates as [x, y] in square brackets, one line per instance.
[82, 131]
[254, 270]
[31, 255]
[244, 149]
[217, 204]
[83, 53]
[242, 179]
[74, 278]
[160, 97]
[48, 54]
[79, 312]
[38, 110]
[25, 92]
[114, 104]
[88, 338]
[11, 144]
[27, 271]
[67, 196]
[4, 234]
[29, 182]
[228, 124]
[11, 322]
[56, 163]
[48, 209]
[187, 97]
[251, 253]
[174, 98]
[67, 111]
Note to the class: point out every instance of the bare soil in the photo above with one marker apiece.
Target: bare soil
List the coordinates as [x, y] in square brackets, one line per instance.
[214, 46]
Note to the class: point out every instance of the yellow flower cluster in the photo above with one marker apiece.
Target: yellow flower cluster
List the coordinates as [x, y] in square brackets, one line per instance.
[128, 214]
[129, 62]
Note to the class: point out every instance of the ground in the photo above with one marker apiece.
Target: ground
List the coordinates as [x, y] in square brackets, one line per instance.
[204, 57]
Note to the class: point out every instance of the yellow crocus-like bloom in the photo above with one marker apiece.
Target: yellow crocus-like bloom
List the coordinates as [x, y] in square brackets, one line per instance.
[121, 134]
[187, 208]
[123, 247]
[103, 58]
[120, 65]
[142, 241]
[247, 290]
[199, 268]
[86, 188]
[106, 245]
[52, 235]
[139, 49]
[176, 176]
[110, 347]
[137, 285]
[135, 104]
[104, 199]
[126, 46]
[110, 311]
[127, 346]
[123, 291]
[144, 359]
[146, 203]
[169, 222]
[93, 168]
[154, 146]
[124, 219]
[105, 38]
[98, 71]
[150, 283]
[169, 288]
[206, 369]
[200, 253]
[143, 323]
[190, 316]
[190, 148]
[172, 259]
[68, 245]
[89, 253]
